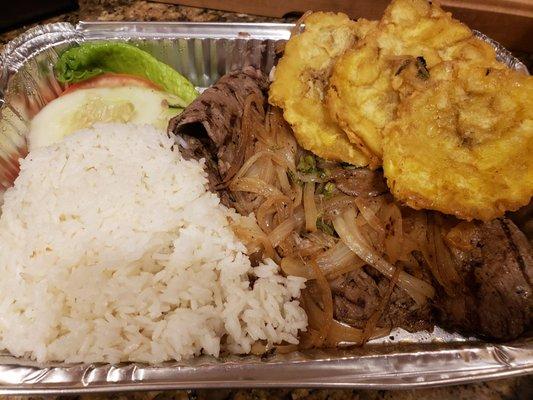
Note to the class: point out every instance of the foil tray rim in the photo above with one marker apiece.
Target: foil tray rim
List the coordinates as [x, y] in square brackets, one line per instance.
[334, 373]
[259, 384]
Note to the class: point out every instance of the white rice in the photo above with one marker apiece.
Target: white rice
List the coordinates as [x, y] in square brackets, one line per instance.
[112, 249]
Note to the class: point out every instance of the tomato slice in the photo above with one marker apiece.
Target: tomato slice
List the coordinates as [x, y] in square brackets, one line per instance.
[109, 80]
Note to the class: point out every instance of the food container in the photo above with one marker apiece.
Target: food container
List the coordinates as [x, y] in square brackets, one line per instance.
[203, 52]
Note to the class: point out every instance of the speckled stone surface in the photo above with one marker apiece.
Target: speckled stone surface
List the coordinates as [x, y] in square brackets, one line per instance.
[135, 10]
[508, 389]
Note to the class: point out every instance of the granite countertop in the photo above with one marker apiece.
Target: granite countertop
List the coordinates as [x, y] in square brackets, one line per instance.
[135, 10]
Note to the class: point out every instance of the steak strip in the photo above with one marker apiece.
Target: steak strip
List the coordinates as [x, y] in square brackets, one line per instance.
[494, 297]
[211, 127]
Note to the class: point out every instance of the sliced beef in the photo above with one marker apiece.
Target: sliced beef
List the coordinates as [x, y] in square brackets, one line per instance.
[523, 218]
[494, 298]
[357, 296]
[212, 126]
[361, 182]
[192, 147]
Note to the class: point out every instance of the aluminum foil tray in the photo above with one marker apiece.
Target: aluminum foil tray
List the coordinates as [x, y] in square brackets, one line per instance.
[203, 52]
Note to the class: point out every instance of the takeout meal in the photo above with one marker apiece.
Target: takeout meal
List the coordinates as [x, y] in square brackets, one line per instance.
[367, 184]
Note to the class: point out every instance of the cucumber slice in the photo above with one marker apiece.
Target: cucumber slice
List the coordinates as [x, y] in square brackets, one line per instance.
[85, 107]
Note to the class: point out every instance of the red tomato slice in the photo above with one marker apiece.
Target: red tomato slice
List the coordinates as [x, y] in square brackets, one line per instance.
[109, 80]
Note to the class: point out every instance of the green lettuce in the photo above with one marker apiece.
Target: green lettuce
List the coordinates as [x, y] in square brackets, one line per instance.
[91, 59]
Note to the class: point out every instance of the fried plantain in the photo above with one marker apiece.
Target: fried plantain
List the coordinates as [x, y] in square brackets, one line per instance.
[369, 80]
[300, 81]
[464, 144]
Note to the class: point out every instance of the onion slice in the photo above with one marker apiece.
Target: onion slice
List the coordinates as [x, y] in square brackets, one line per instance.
[294, 265]
[286, 227]
[311, 213]
[341, 333]
[263, 153]
[327, 303]
[348, 232]
[253, 185]
[369, 215]
[338, 259]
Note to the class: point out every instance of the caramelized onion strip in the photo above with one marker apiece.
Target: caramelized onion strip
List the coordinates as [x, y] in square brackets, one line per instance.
[338, 259]
[268, 207]
[286, 227]
[253, 185]
[260, 154]
[294, 265]
[439, 258]
[372, 322]
[369, 214]
[348, 231]
[395, 247]
[254, 239]
[326, 309]
[311, 212]
[340, 333]
[284, 182]
[337, 204]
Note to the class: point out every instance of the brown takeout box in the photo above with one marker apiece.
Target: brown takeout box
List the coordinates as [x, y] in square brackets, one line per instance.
[509, 22]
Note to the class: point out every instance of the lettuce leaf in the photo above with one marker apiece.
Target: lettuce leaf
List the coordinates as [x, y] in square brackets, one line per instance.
[91, 59]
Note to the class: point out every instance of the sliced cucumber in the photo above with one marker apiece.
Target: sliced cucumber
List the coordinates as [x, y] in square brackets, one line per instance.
[85, 107]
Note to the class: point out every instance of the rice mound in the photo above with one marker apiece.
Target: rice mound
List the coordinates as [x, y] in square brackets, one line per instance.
[112, 249]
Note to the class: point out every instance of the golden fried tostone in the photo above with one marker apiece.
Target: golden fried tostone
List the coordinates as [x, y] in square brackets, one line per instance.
[464, 145]
[300, 81]
[369, 80]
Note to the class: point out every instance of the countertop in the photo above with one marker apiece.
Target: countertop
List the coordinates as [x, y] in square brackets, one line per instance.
[135, 10]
